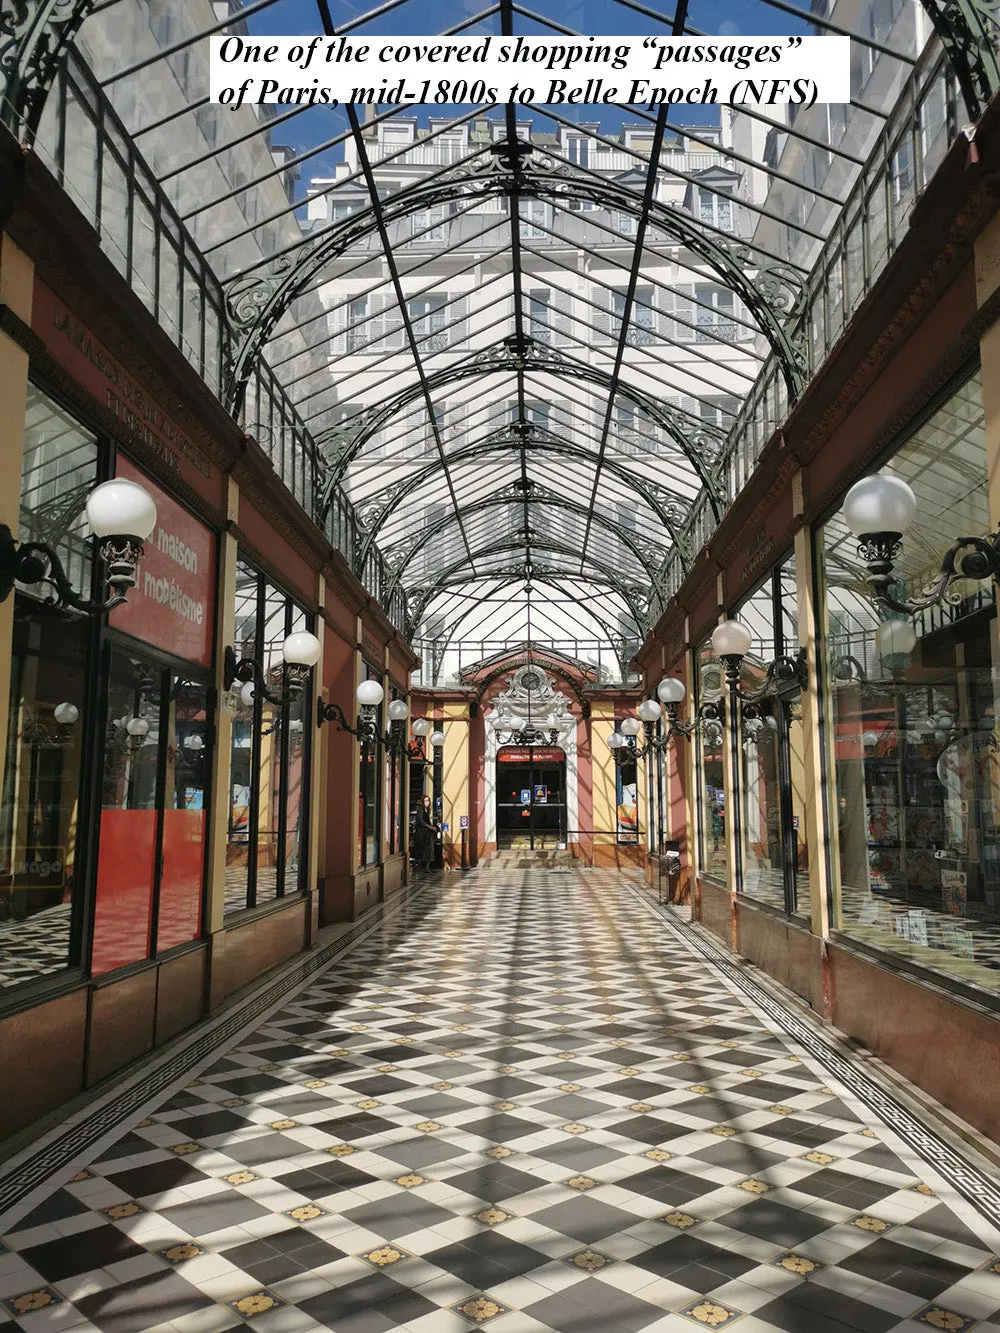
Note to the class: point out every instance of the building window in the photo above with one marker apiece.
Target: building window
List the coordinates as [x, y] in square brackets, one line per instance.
[578, 150]
[915, 817]
[269, 763]
[714, 311]
[430, 225]
[428, 318]
[716, 209]
[533, 214]
[642, 319]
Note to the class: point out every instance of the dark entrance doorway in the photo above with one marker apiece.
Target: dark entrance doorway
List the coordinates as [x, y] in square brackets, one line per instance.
[531, 797]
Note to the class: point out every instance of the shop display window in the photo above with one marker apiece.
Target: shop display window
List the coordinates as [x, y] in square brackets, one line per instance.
[371, 784]
[710, 771]
[269, 760]
[913, 747]
[775, 855]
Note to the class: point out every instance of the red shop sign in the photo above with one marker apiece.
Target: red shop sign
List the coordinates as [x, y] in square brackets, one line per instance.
[535, 754]
[172, 605]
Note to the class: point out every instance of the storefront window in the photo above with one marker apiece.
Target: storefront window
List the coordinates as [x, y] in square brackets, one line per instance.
[772, 774]
[43, 820]
[269, 762]
[396, 791]
[914, 739]
[41, 831]
[711, 794]
[627, 799]
[370, 787]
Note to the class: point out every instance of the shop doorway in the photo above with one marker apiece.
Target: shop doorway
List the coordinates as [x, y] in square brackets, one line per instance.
[531, 798]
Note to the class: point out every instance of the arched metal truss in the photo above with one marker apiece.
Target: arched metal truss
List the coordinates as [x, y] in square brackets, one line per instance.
[650, 556]
[700, 443]
[770, 290]
[611, 632]
[635, 596]
[378, 508]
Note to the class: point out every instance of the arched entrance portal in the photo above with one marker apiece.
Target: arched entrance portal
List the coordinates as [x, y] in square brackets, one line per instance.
[531, 803]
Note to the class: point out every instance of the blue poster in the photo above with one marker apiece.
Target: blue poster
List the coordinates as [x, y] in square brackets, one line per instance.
[541, 795]
[525, 795]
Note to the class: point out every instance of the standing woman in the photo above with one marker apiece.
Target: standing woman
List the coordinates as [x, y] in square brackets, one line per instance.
[424, 835]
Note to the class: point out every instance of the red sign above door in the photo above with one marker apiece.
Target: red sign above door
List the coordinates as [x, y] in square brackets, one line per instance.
[535, 755]
[172, 605]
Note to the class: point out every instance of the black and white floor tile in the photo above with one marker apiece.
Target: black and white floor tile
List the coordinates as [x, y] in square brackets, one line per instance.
[527, 1106]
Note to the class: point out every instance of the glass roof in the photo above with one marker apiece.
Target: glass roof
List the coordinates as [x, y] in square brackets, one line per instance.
[525, 340]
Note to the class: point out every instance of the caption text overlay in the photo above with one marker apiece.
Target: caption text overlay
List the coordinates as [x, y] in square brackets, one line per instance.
[650, 71]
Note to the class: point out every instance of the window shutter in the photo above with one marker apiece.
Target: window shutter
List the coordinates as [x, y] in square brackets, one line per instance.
[559, 317]
[602, 317]
[458, 316]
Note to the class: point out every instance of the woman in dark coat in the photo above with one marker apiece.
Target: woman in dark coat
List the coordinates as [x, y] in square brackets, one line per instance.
[424, 835]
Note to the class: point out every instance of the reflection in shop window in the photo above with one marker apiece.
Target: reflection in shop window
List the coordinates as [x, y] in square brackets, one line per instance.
[711, 782]
[269, 760]
[914, 741]
[772, 771]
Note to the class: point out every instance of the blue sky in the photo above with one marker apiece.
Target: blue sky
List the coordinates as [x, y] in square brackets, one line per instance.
[728, 18]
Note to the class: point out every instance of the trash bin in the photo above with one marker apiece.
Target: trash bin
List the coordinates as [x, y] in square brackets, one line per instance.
[670, 871]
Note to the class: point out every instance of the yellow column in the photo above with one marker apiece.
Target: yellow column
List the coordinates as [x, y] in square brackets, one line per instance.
[605, 792]
[817, 712]
[455, 792]
[16, 282]
[225, 631]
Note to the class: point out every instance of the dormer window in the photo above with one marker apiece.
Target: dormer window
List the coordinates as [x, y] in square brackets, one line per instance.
[578, 150]
[716, 208]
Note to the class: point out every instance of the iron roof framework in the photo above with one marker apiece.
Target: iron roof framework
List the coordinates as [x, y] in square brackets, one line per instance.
[508, 439]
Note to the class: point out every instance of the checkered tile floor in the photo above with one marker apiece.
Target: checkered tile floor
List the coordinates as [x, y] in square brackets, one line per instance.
[523, 1104]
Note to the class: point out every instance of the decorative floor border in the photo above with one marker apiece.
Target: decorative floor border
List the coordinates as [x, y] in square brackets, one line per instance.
[30, 1169]
[974, 1185]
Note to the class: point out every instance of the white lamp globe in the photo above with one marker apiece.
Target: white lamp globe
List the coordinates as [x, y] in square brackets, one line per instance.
[671, 690]
[896, 637]
[731, 639]
[301, 649]
[945, 721]
[370, 694]
[616, 740]
[649, 710]
[879, 504]
[65, 714]
[421, 727]
[399, 710]
[194, 742]
[121, 509]
[630, 726]
[248, 693]
[137, 726]
[869, 739]
[437, 738]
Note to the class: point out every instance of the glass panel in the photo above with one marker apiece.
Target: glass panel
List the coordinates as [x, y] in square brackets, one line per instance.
[712, 800]
[58, 470]
[184, 815]
[241, 756]
[126, 865]
[40, 806]
[914, 739]
[269, 787]
[763, 867]
[370, 788]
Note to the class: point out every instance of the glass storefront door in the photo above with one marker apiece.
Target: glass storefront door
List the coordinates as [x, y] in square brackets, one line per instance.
[531, 800]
